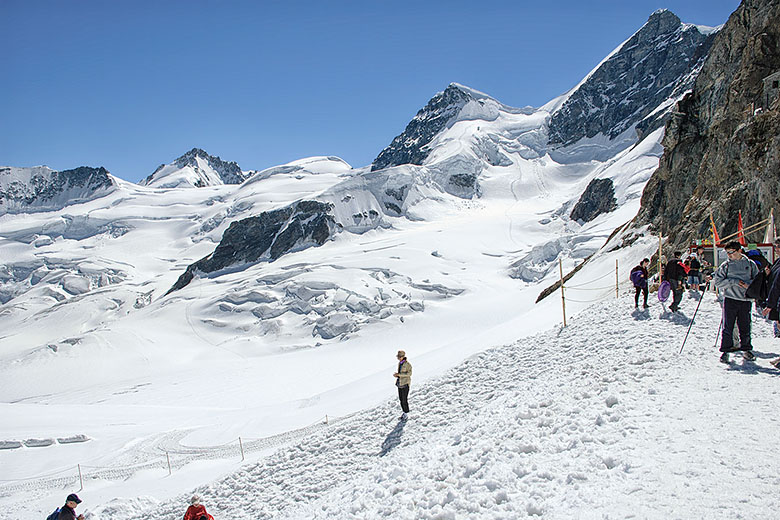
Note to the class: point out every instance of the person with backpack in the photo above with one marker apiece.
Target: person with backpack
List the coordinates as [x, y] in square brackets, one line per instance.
[197, 511]
[639, 277]
[674, 273]
[68, 511]
[402, 380]
[732, 278]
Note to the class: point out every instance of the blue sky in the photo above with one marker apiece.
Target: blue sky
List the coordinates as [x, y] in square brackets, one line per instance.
[130, 85]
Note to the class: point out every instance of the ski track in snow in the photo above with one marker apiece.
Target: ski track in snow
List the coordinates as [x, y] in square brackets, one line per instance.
[602, 419]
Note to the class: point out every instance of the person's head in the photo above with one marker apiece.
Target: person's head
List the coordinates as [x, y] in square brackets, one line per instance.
[645, 262]
[733, 250]
[72, 501]
[677, 254]
[195, 500]
[401, 354]
[700, 250]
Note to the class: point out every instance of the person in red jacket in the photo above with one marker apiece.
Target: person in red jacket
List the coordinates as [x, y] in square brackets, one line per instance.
[197, 511]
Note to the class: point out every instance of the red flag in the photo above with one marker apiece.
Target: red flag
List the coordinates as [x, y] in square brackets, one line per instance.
[715, 237]
[740, 230]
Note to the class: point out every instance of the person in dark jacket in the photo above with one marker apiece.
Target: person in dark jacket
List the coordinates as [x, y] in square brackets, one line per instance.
[732, 279]
[402, 380]
[674, 273]
[640, 281]
[772, 303]
[68, 511]
[694, 276]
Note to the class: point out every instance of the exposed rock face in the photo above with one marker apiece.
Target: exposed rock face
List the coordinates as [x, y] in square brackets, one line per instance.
[598, 198]
[718, 155]
[201, 170]
[659, 62]
[410, 146]
[43, 189]
[267, 237]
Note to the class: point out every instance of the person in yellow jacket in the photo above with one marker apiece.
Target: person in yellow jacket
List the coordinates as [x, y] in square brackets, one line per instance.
[402, 379]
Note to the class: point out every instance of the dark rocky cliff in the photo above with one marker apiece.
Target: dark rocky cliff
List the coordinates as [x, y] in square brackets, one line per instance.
[719, 154]
[598, 198]
[48, 189]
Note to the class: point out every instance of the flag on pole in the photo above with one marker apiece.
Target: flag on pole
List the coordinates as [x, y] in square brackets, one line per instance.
[740, 230]
[715, 237]
[769, 236]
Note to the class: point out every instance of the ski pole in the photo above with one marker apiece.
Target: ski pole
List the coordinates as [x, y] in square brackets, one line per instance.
[691, 325]
[718, 334]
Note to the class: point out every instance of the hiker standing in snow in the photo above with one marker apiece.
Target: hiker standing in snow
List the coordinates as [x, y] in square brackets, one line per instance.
[197, 511]
[639, 276]
[402, 379]
[732, 278]
[693, 275]
[674, 273]
[772, 304]
[68, 511]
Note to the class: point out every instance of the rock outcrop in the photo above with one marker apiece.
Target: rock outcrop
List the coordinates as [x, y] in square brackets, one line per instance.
[721, 153]
[267, 237]
[598, 198]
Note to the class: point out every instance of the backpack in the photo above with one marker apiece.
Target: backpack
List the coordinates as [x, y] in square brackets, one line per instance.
[758, 257]
[637, 278]
[758, 289]
[55, 515]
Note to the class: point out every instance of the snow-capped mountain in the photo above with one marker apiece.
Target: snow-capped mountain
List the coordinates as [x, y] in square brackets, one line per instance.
[40, 188]
[195, 169]
[633, 89]
[277, 295]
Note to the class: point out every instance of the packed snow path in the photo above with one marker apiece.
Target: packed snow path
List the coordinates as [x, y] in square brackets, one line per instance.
[602, 419]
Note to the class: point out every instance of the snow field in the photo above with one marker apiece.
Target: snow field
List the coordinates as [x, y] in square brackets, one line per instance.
[601, 419]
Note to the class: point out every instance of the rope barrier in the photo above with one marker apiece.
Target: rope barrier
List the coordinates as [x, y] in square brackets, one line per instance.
[188, 455]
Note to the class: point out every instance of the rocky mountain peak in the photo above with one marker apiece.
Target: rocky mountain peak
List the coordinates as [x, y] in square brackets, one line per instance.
[650, 70]
[202, 170]
[410, 147]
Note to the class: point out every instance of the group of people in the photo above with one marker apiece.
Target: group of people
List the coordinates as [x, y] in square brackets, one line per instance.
[732, 278]
[196, 510]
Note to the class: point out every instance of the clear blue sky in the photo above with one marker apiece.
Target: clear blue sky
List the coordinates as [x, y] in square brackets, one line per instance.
[130, 85]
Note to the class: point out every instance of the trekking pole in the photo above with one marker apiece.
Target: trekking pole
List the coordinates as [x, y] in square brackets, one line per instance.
[691, 325]
[718, 334]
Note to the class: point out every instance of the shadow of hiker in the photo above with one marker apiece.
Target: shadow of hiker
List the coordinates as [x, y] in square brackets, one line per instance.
[641, 314]
[751, 368]
[393, 438]
[678, 318]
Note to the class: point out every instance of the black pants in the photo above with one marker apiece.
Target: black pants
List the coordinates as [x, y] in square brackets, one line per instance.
[736, 311]
[677, 294]
[643, 290]
[403, 395]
